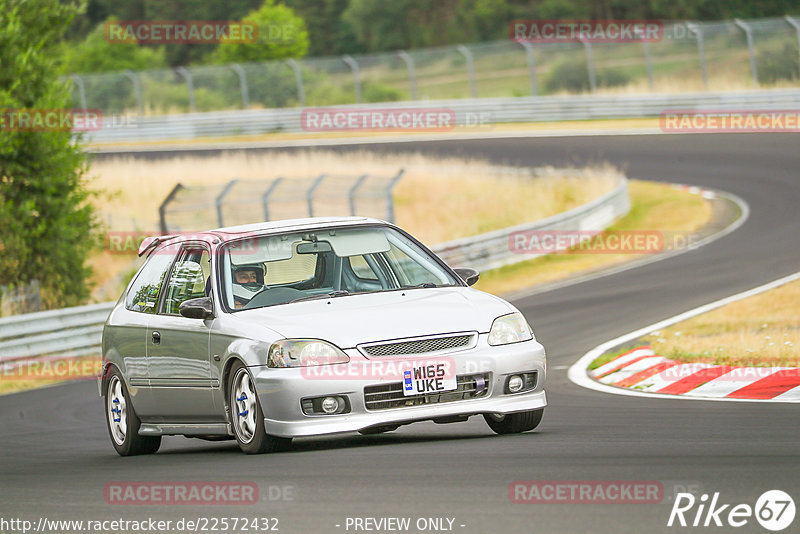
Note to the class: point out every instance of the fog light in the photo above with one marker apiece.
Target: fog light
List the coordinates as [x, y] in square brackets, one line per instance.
[515, 384]
[330, 405]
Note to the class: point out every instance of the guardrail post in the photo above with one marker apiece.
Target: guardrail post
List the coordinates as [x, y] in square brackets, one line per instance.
[298, 80]
[162, 209]
[267, 193]
[137, 88]
[701, 53]
[310, 193]
[187, 75]
[353, 64]
[412, 75]
[389, 198]
[242, 84]
[473, 89]
[81, 90]
[531, 59]
[649, 64]
[351, 195]
[220, 198]
[590, 65]
[748, 31]
[796, 27]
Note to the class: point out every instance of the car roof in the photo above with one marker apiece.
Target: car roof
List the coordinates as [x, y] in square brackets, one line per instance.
[295, 224]
[230, 232]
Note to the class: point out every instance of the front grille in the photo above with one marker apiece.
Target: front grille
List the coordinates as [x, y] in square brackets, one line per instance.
[418, 346]
[386, 396]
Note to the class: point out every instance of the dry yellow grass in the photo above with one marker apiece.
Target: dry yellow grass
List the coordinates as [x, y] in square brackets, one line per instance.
[763, 330]
[431, 200]
[654, 206]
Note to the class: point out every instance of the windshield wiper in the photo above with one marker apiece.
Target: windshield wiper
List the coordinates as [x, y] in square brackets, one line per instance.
[338, 293]
[423, 284]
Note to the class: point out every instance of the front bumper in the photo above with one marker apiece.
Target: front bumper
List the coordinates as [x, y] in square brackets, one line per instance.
[281, 391]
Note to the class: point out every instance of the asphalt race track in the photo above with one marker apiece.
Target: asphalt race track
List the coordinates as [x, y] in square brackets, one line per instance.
[55, 455]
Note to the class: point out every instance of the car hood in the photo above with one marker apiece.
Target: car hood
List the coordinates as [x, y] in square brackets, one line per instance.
[354, 319]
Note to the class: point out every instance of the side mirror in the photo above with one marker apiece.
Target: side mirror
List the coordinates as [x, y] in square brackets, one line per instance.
[470, 276]
[197, 308]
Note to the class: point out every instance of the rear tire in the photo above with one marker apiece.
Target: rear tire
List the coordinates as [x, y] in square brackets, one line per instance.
[247, 419]
[122, 422]
[514, 423]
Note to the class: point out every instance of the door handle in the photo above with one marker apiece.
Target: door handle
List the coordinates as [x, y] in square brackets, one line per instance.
[156, 338]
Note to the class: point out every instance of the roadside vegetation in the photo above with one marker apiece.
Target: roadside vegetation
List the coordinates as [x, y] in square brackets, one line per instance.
[759, 331]
[47, 225]
[654, 207]
[762, 330]
[336, 27]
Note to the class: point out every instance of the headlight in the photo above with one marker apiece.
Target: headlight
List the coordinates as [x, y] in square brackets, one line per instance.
[511, 328]
[304, 353]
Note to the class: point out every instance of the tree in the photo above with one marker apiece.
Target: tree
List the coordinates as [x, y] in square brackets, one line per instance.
[47, 228]
[281, 34]
[328, 33]
[97, 54]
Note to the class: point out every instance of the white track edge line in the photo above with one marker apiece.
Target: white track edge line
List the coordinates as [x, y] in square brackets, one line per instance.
[577, 371]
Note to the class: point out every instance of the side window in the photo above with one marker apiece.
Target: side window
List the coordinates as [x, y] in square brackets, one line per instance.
[362, 269]
[407, 268]
[146, 289]
[188, 279]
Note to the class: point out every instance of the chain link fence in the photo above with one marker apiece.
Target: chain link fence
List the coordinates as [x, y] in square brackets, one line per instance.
[690, 56]
[196, 207]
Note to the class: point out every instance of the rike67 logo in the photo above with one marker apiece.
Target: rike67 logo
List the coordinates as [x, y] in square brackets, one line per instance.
[774, 510]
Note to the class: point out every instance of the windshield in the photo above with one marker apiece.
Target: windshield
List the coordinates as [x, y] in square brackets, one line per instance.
[277, 269]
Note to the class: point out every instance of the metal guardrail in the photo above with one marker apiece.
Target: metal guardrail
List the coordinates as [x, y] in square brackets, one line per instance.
[480, 112]
[73, 331]
[78, 330]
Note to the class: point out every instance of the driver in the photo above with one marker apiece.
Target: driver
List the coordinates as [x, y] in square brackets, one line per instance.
[248, 280]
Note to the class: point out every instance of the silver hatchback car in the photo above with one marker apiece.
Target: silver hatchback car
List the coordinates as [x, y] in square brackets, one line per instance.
[306, 327]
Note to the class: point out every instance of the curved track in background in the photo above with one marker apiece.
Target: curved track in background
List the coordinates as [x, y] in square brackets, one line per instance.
[57, 457]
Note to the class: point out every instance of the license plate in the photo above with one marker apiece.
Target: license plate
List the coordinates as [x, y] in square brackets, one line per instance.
[431, 378]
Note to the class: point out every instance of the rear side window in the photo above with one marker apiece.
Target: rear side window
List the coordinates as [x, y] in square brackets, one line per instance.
[146, 288]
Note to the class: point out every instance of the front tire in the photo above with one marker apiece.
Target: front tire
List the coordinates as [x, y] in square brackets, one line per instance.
[123, 423]
[514, 423]
[247, 419]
